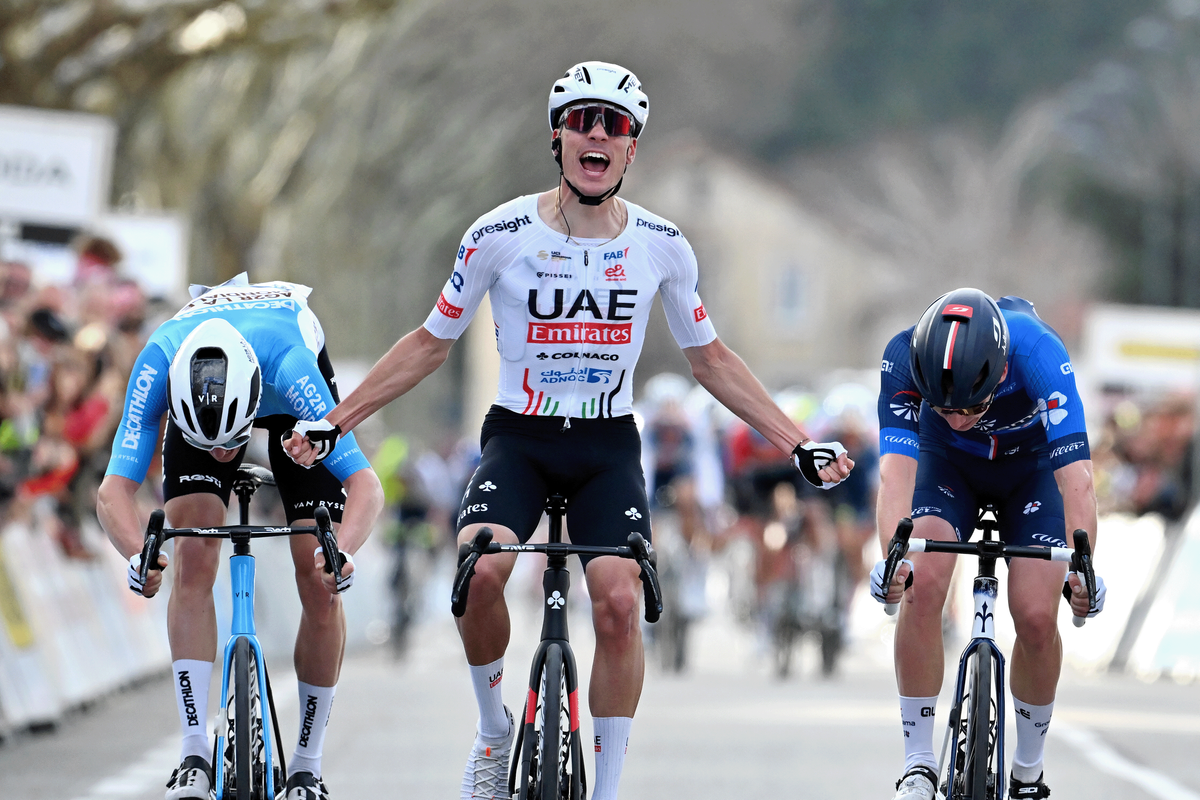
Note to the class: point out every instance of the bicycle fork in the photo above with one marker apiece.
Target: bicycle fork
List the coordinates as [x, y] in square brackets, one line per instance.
[982, 645]
[241, 573]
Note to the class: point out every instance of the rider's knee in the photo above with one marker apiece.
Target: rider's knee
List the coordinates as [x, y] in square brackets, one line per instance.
[487, 585]
[195, 563]
[615, 611]
[1036, 627]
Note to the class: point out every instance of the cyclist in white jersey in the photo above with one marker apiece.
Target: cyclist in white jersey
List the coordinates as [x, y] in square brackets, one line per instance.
[571, 274]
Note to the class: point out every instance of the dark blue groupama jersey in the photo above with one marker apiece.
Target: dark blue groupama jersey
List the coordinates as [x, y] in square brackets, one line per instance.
[1036, 408]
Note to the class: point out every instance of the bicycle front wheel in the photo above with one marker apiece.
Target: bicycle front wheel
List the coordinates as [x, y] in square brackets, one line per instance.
[246, 727]
[981, 730]
[551, 735]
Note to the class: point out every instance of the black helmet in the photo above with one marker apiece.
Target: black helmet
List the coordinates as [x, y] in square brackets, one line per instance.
[958, 349]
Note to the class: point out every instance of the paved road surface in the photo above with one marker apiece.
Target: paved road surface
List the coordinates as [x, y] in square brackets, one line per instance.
[725, 729]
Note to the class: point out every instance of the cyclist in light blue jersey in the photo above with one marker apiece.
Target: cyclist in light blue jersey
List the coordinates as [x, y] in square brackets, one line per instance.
[977, 404]
[238, 356]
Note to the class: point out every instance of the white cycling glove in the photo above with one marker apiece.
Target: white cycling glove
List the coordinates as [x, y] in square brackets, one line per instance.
[322, 435]
[134, 574]
[1097, 606]
[343, 583]
[811, 457]
[878, 590]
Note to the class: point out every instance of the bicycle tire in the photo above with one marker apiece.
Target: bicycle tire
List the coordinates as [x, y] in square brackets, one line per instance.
[249, 769]
[550, 735]
[979, 741]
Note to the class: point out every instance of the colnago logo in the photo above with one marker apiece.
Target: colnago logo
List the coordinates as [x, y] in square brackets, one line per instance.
[134, 426]
[579, 333]
[654, 226]
[305, 399]
[447, 308]
[310, 715]
[512, 226]
[204, 478]
[598, 356]
[189, 699]
[1066, 448]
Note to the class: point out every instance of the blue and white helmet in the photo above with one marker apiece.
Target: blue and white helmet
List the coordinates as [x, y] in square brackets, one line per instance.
[214, 386]
[603, 82]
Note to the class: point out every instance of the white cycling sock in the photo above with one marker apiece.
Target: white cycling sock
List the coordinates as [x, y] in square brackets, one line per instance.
[191, 680]
[487, 681]
[1032, 724]
[315, 704]
[612, 743]
[916, 715]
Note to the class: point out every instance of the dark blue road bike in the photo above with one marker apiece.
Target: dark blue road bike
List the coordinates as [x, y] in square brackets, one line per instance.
[249, 768]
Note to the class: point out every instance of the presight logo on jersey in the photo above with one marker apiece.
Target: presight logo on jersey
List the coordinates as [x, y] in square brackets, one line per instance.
[906, 405]
[1052, 411]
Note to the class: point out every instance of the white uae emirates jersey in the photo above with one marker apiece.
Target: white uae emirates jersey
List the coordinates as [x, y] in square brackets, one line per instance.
[570, 315]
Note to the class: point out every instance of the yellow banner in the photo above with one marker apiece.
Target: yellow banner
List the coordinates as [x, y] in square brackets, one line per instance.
[1159, 351]
[19, 631]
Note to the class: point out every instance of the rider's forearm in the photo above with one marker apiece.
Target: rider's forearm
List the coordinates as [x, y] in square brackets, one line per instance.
[723, 373]
[364, 502]
[897, 479]
[1079, 499]
[118, 514]
[409, 361]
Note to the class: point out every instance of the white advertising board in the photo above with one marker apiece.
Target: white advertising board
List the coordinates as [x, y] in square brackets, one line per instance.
[153, 249]
[1141, 348]
[55, 166]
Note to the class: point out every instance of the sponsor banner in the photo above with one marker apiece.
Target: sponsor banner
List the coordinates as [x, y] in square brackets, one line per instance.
[579, 333]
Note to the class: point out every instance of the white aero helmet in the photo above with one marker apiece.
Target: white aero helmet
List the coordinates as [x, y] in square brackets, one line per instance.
[603, 82]
[214, 387]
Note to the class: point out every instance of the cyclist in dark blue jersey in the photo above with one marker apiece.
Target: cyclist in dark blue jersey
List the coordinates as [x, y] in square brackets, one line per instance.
[977, 404]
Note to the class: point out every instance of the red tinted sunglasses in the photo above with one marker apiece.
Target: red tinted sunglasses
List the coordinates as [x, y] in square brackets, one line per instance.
[583, 118]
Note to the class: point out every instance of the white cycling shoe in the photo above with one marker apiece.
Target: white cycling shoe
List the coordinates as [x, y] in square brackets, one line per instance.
[486, 775]
[191, 780]
[919, 783]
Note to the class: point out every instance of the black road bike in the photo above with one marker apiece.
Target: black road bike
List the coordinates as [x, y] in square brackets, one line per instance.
[247, 767]
[551, 752]
[975, 733]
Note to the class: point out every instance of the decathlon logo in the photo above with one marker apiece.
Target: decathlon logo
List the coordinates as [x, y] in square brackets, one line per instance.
[633, 513]
[1031, 508]
[487, 486]
[556, 600]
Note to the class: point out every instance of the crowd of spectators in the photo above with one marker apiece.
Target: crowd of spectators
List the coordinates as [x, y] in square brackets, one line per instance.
[66, 351]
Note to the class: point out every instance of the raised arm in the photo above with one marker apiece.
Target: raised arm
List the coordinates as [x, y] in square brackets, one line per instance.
[409, 362]
[723, 373]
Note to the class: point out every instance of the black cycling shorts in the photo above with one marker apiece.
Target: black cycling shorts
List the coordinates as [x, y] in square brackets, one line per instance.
[596, 464]
[190, 470]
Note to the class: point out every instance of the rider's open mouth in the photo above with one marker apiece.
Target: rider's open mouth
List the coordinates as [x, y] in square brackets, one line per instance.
[594, 162]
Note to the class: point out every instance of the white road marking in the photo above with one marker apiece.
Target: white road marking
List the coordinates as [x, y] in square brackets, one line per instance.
[152, 770]
[1109, 761]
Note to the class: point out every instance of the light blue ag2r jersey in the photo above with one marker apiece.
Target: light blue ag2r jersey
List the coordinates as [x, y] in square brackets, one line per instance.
[286, 336]
[1036, 410]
